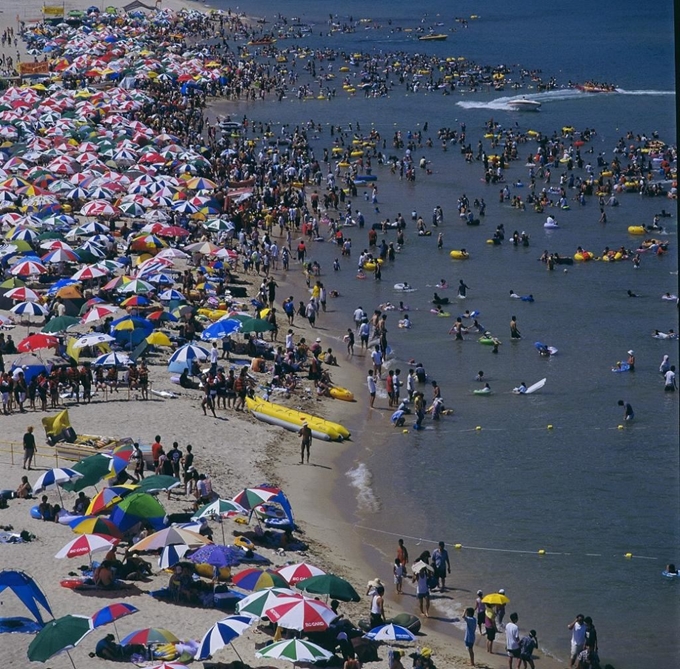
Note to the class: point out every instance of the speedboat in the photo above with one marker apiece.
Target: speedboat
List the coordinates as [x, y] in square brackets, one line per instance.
[524, 105]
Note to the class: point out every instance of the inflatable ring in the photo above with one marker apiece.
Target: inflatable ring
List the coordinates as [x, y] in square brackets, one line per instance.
[245, 543]
[459, 255]
[636, 230]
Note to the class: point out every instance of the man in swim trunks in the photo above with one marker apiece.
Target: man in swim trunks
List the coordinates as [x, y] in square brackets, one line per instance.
[628, 413]
[306, 441]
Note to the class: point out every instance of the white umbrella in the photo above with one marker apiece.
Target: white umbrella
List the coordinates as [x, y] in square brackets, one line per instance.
[222, 633]
[93, 339]
[294, 650]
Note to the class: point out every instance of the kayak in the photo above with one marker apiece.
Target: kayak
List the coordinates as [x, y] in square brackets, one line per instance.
[292, 420]
[341, 394]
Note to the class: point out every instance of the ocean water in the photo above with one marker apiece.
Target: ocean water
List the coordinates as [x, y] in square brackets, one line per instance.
[584, 491]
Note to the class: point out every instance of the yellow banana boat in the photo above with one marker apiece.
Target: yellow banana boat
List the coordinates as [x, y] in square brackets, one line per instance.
[292, 420]
[340, 393]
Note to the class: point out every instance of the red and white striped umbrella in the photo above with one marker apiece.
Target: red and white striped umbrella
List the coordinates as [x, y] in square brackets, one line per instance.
[308, 615]
[293, 573]
[85, 544]
[28, 268]
[22, 294]
[99, 312]
[89, 272]
[99, 208]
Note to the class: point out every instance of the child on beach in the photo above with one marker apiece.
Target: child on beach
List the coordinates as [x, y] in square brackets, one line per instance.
[398, 571]
[470, 630]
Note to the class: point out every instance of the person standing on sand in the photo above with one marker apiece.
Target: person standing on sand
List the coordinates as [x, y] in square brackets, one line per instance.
[370, 381]
[422, 591]
[306, 441]
[470, 629]
[442, 566]
[527, 645]
[29, 447]
[402, 553]
[514, 332]
[490, 627]
[398, 571]
[512, 640]
[578, 637]
[377, 607]
[480, 607]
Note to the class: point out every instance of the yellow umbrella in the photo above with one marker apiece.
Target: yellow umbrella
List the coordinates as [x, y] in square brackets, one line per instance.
[496, 598]
[127, 324]
[158, 339]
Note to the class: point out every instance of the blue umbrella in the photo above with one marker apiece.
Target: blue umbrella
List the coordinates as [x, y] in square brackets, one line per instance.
[112, 360]
[184, 356]
[171, 294]
[171, 555]
[217, 556]
[60, 284]
[222, 633]
[390, 632]
[220, 329]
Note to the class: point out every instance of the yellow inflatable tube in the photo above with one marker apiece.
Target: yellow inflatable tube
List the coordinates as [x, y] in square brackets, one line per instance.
[636, 230]
[341, 394]
[292, 420]
[459, 255]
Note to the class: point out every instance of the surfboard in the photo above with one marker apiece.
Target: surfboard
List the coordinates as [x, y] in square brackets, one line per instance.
[531, 389]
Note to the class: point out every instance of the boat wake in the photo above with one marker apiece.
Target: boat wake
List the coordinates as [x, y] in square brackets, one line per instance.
[507, 103]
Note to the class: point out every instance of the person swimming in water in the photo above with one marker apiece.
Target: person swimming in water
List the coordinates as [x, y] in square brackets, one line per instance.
[521, 388]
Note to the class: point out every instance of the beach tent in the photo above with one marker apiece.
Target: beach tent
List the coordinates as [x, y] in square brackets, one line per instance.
[28, 592]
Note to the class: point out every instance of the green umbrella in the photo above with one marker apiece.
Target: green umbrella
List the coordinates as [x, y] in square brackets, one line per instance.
[137, 507]
[331, 586]
[93, 469]
[294, 650]
[157, 482]
[13, 282]
[256, 325]
[50, 234]
[58, 636]
[61, 323]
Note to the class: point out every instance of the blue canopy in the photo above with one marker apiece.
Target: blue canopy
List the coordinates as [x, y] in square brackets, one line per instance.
[27, 590]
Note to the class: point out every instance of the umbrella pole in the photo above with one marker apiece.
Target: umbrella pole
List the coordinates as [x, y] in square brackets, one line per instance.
[237, 653]
[116, 629]
[222, 527]
[72, 662]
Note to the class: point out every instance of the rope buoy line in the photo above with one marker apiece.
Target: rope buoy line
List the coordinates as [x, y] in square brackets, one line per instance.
[541, 551]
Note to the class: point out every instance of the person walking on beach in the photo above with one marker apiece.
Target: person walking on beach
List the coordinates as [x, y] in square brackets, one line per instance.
[578, 637]
[470, 630]
[514, 332]
[422, 591]
[377, 607]
[402, 553]
[305, 434]
[398, 571]
[29, 447]
[370, 381]
[527, 645]
[440, 560]
[512, 640]
[490, 627]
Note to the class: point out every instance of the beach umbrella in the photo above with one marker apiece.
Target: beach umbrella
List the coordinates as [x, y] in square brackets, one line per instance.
[111, 613]
[92, 469]
[258, 579]
[161, 316]
[92, 339]
[157, 483]
[95, 525]
[331, 586]
[60, 255]
[172, 231]
[184, 356]
[304, 615]
[220, 329]
[168, 536]
[171, 555]
[249, 498]
[138, 507]
[294, 573]
[135, 301]
[136, 286]
[496, 598]
[165, 665]
[99, 208]
[223, 632]
[294, 650]
[28, 309]
[89, 272]
[172, 253]
[112, 360]
[85, 544]
[28, 268]
[60, 324]
[55, 477]
[256, 325]
[390, 632]
[222, 508]
[217, 556]
[148, 636]
[158, 339]
[206, 248]
[36, 342]
[98, 312]
[256, 604]
[103, 501]
[12, 282]
[169, 295]
[22, 294]
[58, 636]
